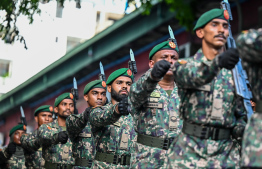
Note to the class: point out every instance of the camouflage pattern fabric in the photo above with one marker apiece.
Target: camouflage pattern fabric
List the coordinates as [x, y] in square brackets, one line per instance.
[83, 141]
[116, 135]
[53, 151]
[249, 44]
[15, 161]
[32, 150]
[153, 121]
[207, 101]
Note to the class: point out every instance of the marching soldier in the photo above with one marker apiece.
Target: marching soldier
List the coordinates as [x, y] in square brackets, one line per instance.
[114, 124]
[31, 142]
[249, 45]
[57, 148]
[211, 112]
[13, 155]
[156, 102]
[79, 128]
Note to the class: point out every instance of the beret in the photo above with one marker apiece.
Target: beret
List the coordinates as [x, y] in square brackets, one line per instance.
[120, 72]
[209, 15]
[169, 45]
[94, 84]
[18, 127]
[62, 97]
[44, 108]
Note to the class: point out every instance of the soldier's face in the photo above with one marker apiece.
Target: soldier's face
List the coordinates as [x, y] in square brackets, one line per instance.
[169, 55]
[96, 97]
[214, 34]
[17, 136]
[44, 118]
[120, 87]
[65, 108]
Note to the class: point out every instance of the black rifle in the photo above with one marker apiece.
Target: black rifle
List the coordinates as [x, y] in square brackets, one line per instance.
[74, 92]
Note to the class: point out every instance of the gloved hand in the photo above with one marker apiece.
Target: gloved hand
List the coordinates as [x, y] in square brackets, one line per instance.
[11, 148]
[62, 137]
[228, 59]
[160, 68]
[123, 106]
[238, 132]
[86, 113]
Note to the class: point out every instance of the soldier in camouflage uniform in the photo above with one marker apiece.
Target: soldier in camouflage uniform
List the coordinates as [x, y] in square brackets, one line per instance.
[57, 147]
[79, 128]
[114, 124]
[249, 45]
[13, 155]
[209, 106]
[31, 142]
[155, 99]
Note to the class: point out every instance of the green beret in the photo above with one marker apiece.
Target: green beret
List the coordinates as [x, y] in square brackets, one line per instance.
[209, 15]
[44, 108]
[62, 97]
[168, 45]
[94, 84]
[120, 72]
[18, 127]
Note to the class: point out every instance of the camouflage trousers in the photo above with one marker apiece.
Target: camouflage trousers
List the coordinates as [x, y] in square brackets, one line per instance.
[251, 144]
[79, 167]
[147, 157]
[104, 165]
[192, 152]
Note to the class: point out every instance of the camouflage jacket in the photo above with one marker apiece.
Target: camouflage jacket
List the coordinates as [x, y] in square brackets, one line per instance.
[117, 133]
[249, 45]
[208, 93]
[53, 151]
[14, 161]
[80, 132]
[156, 113]
[32, 150]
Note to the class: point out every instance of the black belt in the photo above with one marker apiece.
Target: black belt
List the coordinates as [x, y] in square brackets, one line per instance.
[83, 162]
[205, 132]
[151, 141]
[123, 159]
[49, 165]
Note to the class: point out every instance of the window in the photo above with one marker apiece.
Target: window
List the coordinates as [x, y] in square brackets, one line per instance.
[4, 68]
[184, 50]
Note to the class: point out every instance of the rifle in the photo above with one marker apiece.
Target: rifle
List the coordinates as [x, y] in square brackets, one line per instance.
[243, 88]
[132, 63]
[23, 120]
[74, 91]
[102, 77]
[172, 37]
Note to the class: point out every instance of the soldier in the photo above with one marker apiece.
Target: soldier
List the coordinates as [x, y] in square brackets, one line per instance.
[156, 102]
[57, 148]
[31, 142]
[249, 45]
[13, 155]
[211, 112]
[79, 128]
[114, 124]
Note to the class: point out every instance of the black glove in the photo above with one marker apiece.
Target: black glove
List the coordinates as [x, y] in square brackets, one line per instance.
[228, 59]
[160, 68]
[86, 113]
[62, 137]
[11, 148]
[238, 132]
[123, 106]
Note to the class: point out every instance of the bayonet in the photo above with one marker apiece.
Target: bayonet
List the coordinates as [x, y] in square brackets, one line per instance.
[23, 120]
[74, 92]
[102, 72]
[172, 37]
[132, 62]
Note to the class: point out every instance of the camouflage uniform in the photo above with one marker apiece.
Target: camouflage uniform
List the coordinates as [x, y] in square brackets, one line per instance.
[156, 117]
[116, 136]
[54, 152]
[250, 49]
[15, 161]
[32, 150]
[208, 103]
[83, 142]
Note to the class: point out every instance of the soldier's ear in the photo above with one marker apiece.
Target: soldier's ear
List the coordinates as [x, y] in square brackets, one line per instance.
[56, 109]
[151, 63]
[109, 88]
[200, 33]
[36, 119]
[85, 97]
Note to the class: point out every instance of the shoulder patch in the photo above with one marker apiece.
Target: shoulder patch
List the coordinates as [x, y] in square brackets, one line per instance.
[182, 62]
[155, 94]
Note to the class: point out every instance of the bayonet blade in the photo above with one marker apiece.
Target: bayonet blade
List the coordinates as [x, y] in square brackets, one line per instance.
[22, 111]
[101, 69]
[171, 32]
[132, 55]
[226, 1]
[74, 82]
